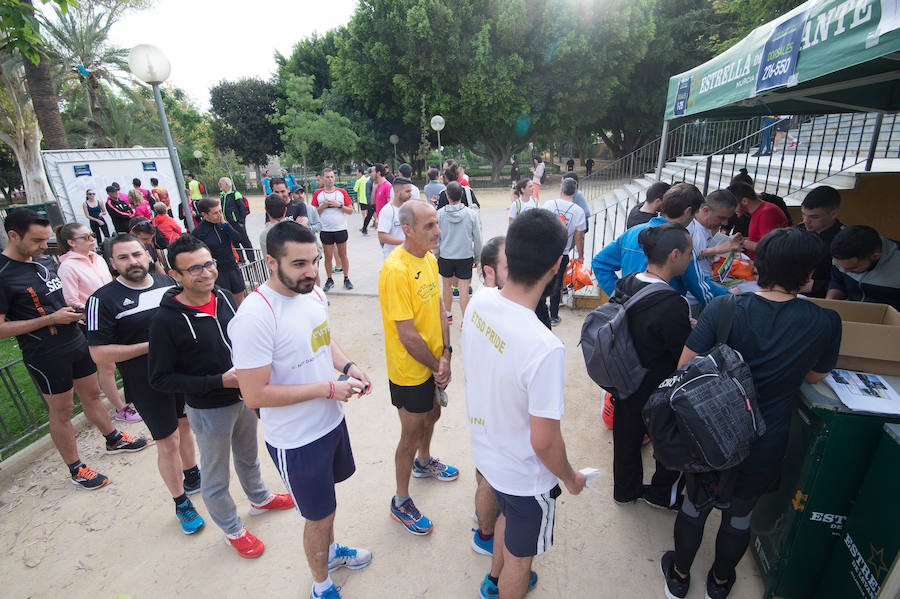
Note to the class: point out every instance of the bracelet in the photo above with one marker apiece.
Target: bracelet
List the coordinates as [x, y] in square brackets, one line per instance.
[51, 320]
[347, 367]
[330, 389]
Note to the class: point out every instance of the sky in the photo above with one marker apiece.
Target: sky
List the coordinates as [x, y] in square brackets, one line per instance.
[210, 40]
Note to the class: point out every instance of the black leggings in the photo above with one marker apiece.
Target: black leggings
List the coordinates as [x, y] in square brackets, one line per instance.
[97, 228]
[370, 212]
[731, 541]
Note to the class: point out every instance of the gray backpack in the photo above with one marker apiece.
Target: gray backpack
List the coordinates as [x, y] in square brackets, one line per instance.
[609, 353]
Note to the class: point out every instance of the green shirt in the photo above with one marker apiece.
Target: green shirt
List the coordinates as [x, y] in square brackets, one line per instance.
[194, 186]
[360, 188]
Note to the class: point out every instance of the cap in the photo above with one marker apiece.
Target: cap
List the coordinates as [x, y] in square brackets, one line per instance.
[296, 188]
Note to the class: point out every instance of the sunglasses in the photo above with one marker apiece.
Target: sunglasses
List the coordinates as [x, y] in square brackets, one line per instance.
[197, 269]
[87, 236]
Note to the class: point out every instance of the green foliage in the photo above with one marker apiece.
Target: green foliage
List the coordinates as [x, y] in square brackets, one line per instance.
[736, 18]
[20, 28]
[241, 119]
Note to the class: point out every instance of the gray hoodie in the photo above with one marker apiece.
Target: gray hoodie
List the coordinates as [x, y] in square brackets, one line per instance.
[460, 233]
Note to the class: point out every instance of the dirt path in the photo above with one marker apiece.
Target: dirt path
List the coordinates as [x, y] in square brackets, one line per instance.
[124, 539]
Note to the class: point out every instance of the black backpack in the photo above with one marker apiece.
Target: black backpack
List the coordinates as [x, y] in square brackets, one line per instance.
[705, 417]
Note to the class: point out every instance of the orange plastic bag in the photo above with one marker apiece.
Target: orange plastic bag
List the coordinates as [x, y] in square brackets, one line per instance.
[577, 275]
[740, 269]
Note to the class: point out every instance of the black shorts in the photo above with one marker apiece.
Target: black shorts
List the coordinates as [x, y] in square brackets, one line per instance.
[783, 126]
[54, 373]
[332, 237]
[232, 280]
[160, 411]
[416, 399]
[529, 521]
[310, 472]
[461, 268]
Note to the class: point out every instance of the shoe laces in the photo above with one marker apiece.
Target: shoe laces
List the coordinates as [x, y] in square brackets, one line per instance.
[410, 508]
[342, 551]
[126, 438]
[86, 472]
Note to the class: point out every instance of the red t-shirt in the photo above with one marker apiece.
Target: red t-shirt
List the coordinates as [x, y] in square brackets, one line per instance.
[208, 308]
[382, 195]
[766, 218]
[464, 181]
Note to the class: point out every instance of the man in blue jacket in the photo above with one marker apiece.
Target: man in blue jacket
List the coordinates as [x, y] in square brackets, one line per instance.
[679, 205]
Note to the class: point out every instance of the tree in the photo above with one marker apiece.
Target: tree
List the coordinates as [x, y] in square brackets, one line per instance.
[241, 112]
[10, 176]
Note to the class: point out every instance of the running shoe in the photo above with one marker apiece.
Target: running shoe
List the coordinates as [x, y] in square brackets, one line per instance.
[435, 469]
[455, 290]
[127, 414]
[126, 443]
[449, 318]
[470, 291]
[245, 544]
[479, 545]
[609, 406]
[190, 520]
[410, 517]
[715, 590]
[332, 592]
[489, 590]
[676, 586]
[191, 487]
[661, 500]
[328, 284]
[347, 283]
[555, 320]
[336, 269]
[345, 557]
[88, 478]
[277, 501]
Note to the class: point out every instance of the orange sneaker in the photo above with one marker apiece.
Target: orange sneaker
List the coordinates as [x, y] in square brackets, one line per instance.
[609, 406]
[246, 544]
[88, 478]
[277, 501]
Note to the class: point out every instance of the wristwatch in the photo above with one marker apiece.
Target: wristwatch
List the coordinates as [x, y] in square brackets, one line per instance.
[448, 348]
[347, 367]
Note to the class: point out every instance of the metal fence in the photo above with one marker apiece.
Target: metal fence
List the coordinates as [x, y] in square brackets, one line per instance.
[253, 269]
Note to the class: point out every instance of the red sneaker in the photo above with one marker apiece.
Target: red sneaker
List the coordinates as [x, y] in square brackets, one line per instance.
[246, 544]
[278, 501]
[609, 406]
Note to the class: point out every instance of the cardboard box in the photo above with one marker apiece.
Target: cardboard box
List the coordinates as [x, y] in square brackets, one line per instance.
[870, 341]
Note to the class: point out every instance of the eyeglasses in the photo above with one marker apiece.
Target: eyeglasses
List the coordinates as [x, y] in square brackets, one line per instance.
[144, 227]
[86, 236]
[197, 269]
[90, 193]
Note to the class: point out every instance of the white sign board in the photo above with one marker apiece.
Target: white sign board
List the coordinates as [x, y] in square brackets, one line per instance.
[73, 172]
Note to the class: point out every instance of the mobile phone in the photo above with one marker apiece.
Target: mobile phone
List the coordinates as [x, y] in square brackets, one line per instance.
[362, 391]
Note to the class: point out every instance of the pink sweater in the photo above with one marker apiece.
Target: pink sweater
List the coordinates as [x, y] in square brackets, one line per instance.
[81, 276]
[143, 209]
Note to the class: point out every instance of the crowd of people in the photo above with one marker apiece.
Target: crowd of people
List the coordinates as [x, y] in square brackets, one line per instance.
[202, 360]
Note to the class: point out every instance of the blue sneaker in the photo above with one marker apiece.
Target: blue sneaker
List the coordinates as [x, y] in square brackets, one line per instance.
[435, 469]
[332, 592]
[349, 558]
[190, 520]
[192, 486]
[489, 590]
[411, 518]
[455, 290]
[481, 546]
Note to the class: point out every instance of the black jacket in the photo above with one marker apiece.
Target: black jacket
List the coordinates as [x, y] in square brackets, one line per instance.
[822, 275]
[234, 209]
[189, 351]
[221, 239]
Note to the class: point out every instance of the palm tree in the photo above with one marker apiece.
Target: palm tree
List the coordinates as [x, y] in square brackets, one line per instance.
[78, 41]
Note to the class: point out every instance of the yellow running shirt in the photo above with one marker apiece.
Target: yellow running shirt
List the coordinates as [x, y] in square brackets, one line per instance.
[408, 289]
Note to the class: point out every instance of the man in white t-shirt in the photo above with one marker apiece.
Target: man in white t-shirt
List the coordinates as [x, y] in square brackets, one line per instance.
[573, 218]
[286, 360]
[515, 376]
[718, 207]
[405, 170]
[333, 205]
[390, 231]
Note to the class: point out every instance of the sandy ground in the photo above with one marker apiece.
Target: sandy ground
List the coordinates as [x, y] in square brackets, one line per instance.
[124, 540]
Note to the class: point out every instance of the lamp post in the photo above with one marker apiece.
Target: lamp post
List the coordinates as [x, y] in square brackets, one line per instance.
[198, 155]
[150, 65]
[437, 123]
[394, 140]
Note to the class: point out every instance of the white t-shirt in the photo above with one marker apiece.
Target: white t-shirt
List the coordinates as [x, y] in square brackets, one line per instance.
[291, 334]
[571, 214]
[389, 222]
[700, 238]
[415, 194]
[332, 219]
[515, 368]
[519, 206]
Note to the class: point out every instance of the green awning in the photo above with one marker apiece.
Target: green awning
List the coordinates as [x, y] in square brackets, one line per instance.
[823, 56]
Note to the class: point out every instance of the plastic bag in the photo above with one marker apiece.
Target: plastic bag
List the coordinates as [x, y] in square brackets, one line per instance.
[577, 275]
[737, 269]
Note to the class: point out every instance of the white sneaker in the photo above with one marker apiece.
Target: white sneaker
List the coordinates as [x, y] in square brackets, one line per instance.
[345, 557]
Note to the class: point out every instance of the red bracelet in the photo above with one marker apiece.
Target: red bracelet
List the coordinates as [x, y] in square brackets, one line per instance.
[330, 389]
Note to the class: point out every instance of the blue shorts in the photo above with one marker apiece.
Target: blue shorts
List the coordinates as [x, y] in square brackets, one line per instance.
[529, 521]
[310, 472]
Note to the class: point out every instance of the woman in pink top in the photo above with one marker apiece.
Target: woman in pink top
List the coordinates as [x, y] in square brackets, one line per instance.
[140, 205]
[82, 272]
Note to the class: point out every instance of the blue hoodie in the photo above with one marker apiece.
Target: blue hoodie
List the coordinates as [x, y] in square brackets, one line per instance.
[627, 255]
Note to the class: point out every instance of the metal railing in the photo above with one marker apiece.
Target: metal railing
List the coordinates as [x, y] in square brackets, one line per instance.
[253, 269]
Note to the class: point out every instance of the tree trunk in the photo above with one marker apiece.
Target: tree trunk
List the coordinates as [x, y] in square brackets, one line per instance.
[95, 114]
[46, 107]
[498, 152]
[27, 148]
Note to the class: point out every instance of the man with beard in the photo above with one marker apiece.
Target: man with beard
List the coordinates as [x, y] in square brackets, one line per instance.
[118, 331]
[190, 353]
[286, 360]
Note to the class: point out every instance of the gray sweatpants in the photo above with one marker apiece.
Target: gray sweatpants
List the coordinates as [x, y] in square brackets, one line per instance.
[220, 432]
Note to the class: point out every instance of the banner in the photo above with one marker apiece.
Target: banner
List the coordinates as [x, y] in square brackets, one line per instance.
[779, 56]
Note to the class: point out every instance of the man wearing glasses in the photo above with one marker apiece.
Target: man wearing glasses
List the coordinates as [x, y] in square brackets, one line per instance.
[190, 353]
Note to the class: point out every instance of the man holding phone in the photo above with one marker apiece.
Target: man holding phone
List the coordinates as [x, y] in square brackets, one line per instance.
[286, 360]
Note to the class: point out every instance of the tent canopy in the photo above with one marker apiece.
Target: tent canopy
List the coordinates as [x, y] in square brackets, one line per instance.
[822, 56]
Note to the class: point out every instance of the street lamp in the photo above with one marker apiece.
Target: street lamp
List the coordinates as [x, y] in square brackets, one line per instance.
[198, 155]
[150, 65]
[437, 123]
[394, 139]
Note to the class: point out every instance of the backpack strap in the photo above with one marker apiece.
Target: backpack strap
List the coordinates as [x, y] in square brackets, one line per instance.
[725, 318]
[645, 291]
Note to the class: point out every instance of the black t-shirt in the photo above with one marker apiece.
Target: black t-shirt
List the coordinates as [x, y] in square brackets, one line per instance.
[636, 217]
[780, 342]
[118, 314]
[822, 274]
[295, 210]
[30, 290]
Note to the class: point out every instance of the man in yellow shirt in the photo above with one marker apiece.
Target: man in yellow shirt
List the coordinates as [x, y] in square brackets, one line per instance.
[417, 346]
[194, 187]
